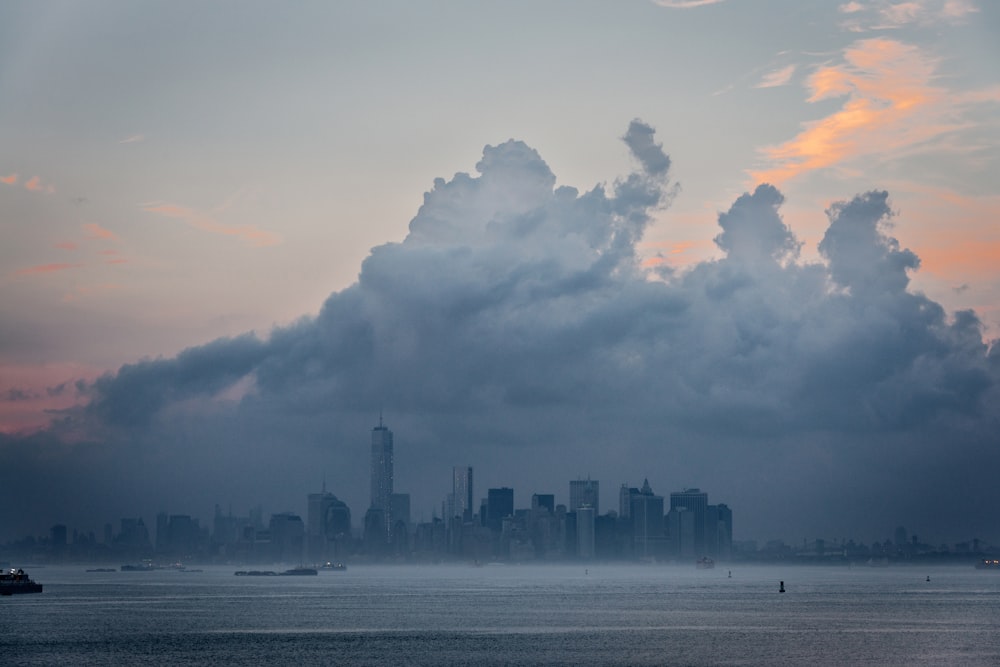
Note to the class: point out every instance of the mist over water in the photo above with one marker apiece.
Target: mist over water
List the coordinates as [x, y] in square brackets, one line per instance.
[515, 615]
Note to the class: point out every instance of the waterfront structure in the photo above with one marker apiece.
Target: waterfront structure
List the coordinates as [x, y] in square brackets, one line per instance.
[584, 492]
[381, 475]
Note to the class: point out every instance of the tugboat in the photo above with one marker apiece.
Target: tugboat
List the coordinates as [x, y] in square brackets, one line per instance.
[16, 581]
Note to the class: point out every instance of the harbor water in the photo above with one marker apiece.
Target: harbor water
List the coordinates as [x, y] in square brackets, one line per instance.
[508, 615]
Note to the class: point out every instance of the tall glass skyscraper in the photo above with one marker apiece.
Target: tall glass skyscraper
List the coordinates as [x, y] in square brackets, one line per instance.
[462, 492]
[382, 472]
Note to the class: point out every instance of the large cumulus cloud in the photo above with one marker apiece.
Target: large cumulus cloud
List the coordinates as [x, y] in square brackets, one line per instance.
[514, 329]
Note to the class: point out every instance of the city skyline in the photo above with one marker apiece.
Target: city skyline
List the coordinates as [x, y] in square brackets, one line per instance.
[713, 244]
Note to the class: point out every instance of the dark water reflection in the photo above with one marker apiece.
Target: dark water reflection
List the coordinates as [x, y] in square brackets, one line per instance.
[508, 615]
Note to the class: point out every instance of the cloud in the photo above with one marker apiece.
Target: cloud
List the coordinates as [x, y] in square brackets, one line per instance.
[9, 180]
[516, 328]
[893, 15]
[133, 139]
[46, 268]
[92, 230]
[779, 77]
[34, 184]
[890, 106]
[205, 222]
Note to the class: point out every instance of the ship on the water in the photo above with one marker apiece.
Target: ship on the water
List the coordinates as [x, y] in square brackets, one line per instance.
[13, 582]
[988, 564]
[705, 563]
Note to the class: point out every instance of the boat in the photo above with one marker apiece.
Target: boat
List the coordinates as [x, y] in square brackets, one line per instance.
[300, 572]
[334, 566]
[705, 563]
[988, 564]
[139, 567]
[13, 582]
[255, 573]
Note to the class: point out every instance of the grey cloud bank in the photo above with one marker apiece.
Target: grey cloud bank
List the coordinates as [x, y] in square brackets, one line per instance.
[515, 329]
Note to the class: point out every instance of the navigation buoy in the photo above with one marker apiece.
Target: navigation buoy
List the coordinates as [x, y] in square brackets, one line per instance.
[928, 577]
[730, 574]
[782, 588]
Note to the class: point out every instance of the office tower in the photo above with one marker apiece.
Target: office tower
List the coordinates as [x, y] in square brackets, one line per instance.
[543, 502]
[584, 492]
[646, 512]
[585, 532]
[462, 492]
[381, 488]
[399, 508]
[287, 537]
[625, 494]
[696, 502]
[499, 504]
[328, 520]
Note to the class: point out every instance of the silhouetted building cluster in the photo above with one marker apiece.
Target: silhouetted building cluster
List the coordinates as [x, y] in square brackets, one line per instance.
[643, 528]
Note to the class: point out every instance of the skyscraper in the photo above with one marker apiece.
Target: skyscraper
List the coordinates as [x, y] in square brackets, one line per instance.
[584, 492]
[499, 504]
[696, 502]
[462, 492]
[382, 473]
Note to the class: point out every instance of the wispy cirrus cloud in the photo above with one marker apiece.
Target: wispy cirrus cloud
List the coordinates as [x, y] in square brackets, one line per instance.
[892, 103]
[207, 222]
[778, 77]
[46, 268]
[133, 139]
[92, 230]
[893, 15]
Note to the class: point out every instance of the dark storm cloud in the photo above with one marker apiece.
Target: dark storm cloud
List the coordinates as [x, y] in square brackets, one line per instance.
[515, 329]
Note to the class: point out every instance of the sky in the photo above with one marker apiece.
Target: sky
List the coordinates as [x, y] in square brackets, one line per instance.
[751, 247]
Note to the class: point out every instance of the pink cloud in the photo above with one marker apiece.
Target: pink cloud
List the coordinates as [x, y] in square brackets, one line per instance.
[95, 231]
[205, 222]
[39, 390]
[9, 180]
[66, 245]
[34, 184]
[890, 106]
[46, 268]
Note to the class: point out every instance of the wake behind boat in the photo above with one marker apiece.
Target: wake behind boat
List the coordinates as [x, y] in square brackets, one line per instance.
[16, 581]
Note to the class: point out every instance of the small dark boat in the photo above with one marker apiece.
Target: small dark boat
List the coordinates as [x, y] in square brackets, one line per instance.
[255, 573]
[705, 563]
[300, 572]
[16, 581]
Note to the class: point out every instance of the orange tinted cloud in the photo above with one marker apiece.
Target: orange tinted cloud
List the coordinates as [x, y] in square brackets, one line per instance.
[66, 245]
[9, 180]
[95, 231]
[205, 222]
[46, 268]
[890, 104]
[34, 184]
